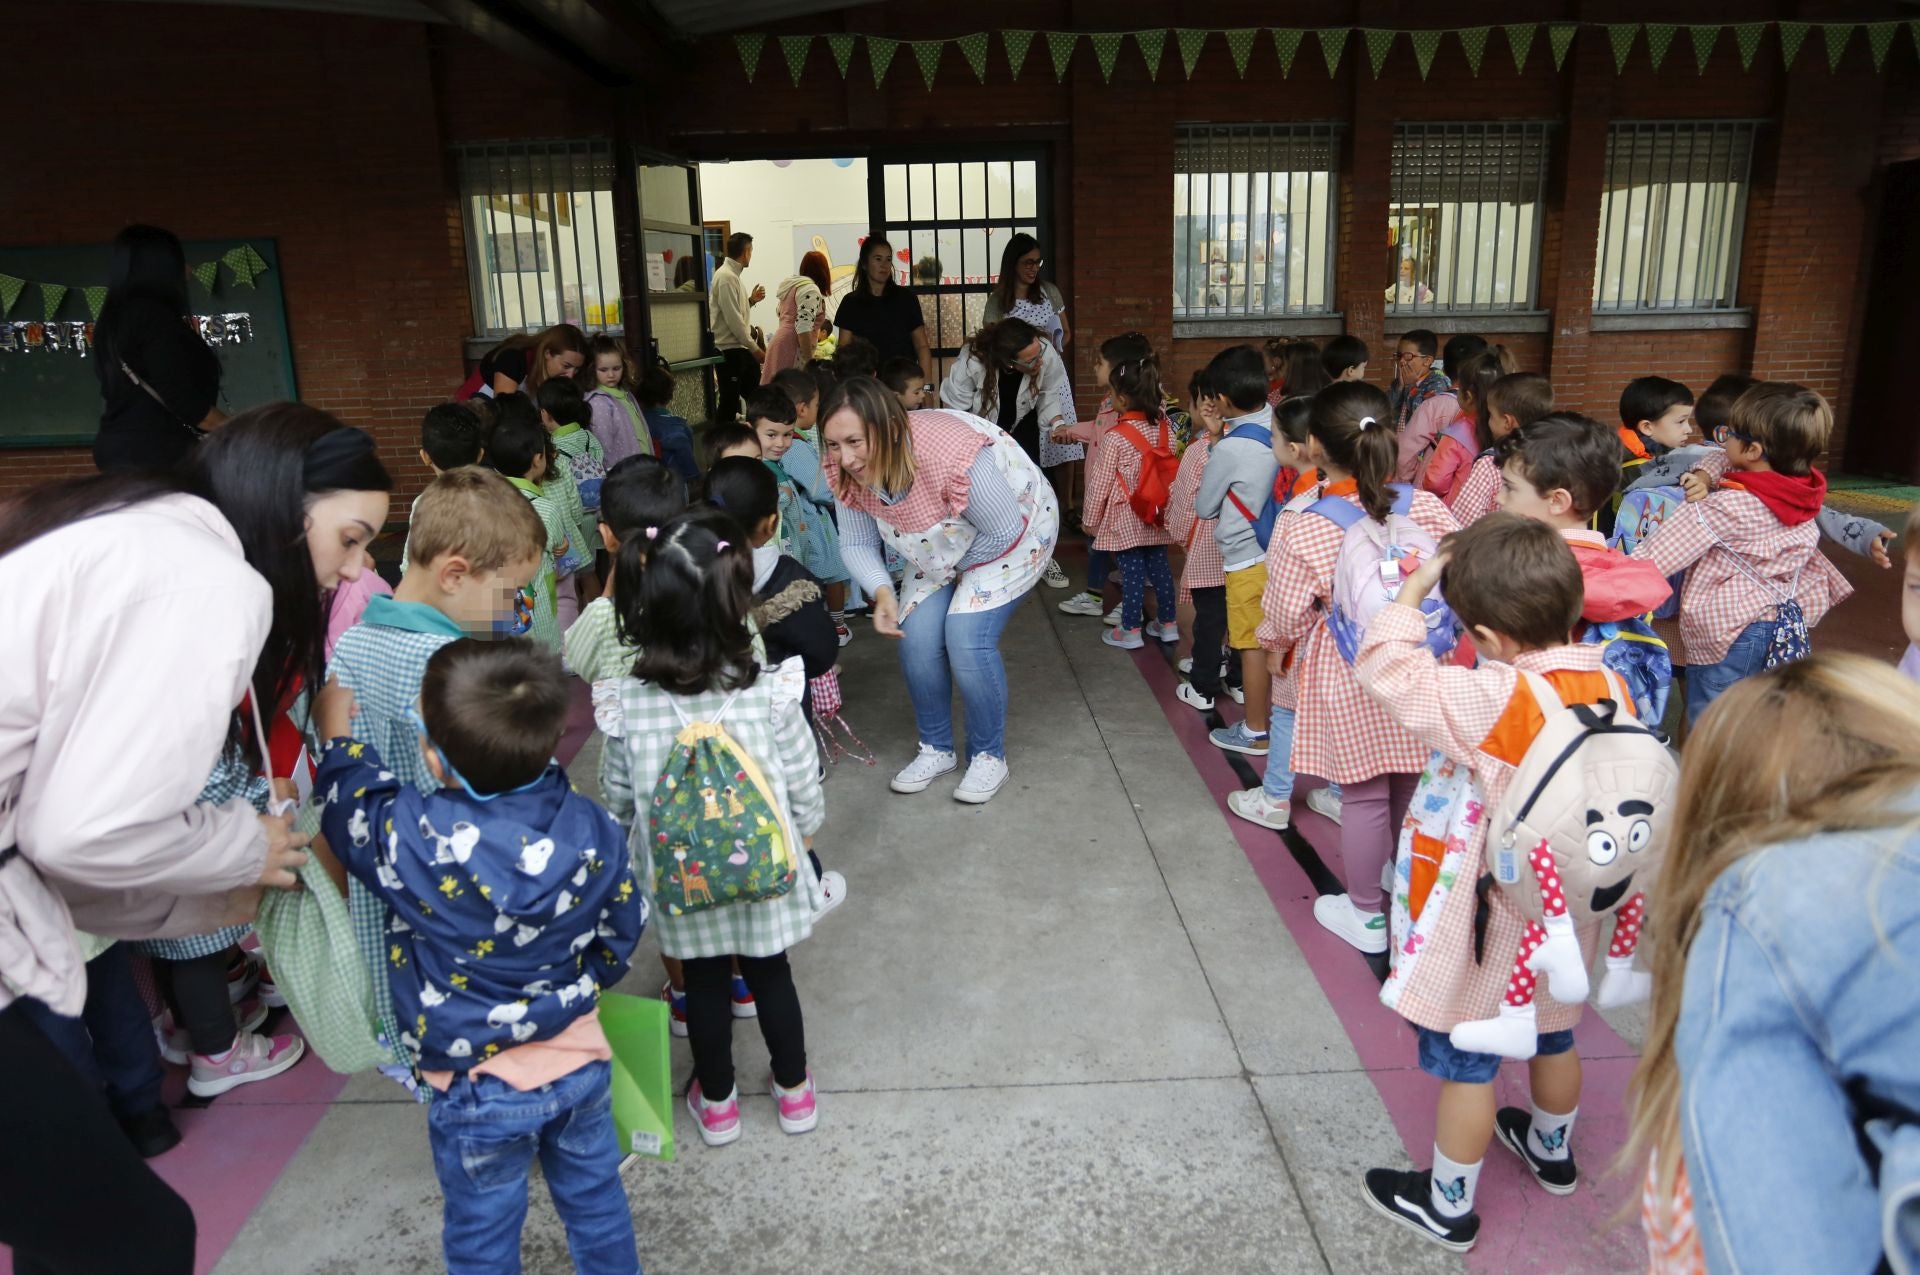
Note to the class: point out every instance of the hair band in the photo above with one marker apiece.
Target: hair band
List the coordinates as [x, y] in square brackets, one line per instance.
[328, 457]
[719, 545]
[653, 533]
[1368, 422]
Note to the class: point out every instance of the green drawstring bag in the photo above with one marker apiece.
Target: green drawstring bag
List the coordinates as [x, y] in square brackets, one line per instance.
[637, 1032]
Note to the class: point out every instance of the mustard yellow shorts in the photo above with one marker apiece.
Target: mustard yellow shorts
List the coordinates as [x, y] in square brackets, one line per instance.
[1244, 588]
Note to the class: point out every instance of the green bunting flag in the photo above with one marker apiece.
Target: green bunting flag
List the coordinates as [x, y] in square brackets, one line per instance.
[974, 49]
[1106, 51]
[1520, 40]
[1379, 44]
[1659, 40]
[1747, 35]
[927, 52]
[51, 295]
[1473, 43]
[880, 53]
[1703, 38]
[1017, 43]
[10, 289]
[96, 297]
[1333, 42]
[1792, 34]
[750, 46]
[1240, 44]
[1425, 45]
[1153, 47]
[208, 273]
[1560, 39]
[1621, 34]
[1837, 33]
[1286, 43]
[1913, 29]
[1190, 43]
[1879, 40]
[842, 46]
[236, 260]
[795, 47]
[1061, 44]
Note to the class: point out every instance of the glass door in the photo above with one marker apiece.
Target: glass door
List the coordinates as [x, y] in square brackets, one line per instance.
[675, 270]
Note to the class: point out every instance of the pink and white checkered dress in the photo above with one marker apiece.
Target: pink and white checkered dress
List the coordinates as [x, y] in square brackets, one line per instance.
[1203, 570]
[1115, 471]
[1477, 494]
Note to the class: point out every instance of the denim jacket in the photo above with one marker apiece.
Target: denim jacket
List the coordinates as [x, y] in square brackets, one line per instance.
[1799, 1051]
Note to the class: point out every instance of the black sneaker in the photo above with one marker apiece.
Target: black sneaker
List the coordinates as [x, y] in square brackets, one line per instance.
[151, 1132]
[1557, 1176]
[1407, 1198]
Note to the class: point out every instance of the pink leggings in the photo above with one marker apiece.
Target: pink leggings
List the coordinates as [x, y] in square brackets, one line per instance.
[1371, 812]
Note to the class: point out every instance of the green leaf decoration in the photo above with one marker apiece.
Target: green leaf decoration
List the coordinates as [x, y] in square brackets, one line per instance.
[1190, 42]
[1153, 47]
[795, 47]
[841, 44]
[750, 45]
[1061, 44]
[242, 265]
[254, 259]
[51, 295]
[1017, 43]
[10, 289]
[1520, 40]
[1560, 39]
[1240, 44]
[927, 53]
[1703, 38]
[1879, 40]
[1106, 51]
[1425, 45]
[1286, 43]
[974, 49]
[880, 53]
[1747, 35]
[1792, 36]
[1621, 35]
[1837, 33]
[96, 297]
[1379, 44]
[1659, 40]
[1473, 43]
[1333, 42]
[208, 273]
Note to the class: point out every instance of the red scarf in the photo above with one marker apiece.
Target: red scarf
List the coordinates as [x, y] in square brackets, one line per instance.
[1792, 498]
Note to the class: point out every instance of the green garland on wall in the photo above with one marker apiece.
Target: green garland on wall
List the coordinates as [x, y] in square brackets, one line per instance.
[1062, 46]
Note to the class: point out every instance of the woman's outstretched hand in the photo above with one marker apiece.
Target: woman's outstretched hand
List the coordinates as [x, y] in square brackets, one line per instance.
[284, 854]
[886, 614]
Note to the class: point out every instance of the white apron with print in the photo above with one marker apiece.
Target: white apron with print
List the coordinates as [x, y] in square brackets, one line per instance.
[933, 556]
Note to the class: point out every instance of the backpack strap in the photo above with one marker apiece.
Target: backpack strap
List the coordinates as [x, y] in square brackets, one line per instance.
[1780, 598]
[686, 721]
[1337, 510]
[1402, 498]
[1252, 432]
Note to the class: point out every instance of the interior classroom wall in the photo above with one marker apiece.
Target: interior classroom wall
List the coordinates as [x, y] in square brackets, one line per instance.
[786, 205]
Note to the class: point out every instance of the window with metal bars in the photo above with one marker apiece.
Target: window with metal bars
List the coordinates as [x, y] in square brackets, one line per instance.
[1463, 221]
[539, 227]
[1253, 219]
[1671, 212]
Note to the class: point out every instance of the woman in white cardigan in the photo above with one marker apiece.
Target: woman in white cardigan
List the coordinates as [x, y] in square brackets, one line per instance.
[1010, 374]
[141, 610]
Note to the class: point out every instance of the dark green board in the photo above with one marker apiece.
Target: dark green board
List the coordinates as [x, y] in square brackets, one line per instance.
[53, 399]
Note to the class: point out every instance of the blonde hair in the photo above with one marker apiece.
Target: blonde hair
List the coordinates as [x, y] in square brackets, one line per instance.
[1791, 422]
[1828, 743]
[474, 512]
[1910, 537]
[561, 338]
[889, 436]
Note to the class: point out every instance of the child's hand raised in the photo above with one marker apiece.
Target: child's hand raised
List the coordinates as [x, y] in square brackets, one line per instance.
[1878, 549]
[1695, 485]
[333, 711]
[1423, 580]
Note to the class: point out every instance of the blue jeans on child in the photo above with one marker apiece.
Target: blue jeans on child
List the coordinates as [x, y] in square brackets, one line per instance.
[1139, 568]
[1099, 567]
[1747, 656]
[111, 1043]
[485, 1134]
[942, 647]
[1443, 1060]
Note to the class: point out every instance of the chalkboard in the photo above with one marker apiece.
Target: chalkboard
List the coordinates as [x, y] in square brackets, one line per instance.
[51, 396]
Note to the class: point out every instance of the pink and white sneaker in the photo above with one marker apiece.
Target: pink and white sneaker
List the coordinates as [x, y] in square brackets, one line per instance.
[719, 1121]
[176, 1046]
[799, 1110]
[253, 1057]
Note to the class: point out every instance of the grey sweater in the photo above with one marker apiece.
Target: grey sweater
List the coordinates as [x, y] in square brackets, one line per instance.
[1247, 468]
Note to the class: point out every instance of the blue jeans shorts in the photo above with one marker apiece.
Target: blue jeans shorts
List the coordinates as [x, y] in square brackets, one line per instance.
[1439, 1058]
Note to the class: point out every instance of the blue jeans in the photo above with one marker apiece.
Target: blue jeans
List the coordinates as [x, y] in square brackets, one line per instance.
[1140, 568]
[1747, 656]
[1099, 567]
[485, 1134]
[1441, 1059]
[111, 1044]
[941, 647]
[1278, 780]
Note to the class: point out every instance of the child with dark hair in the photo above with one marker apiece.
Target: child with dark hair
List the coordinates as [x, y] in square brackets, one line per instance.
[1115, 351]
[1210, 665]
[451, 435]
[1515, 400]
[1344, 359]
[855, 358]
[1416, 384]
[520, 905]
[579, 469]
[904, 377]
[1467, 435]
[672, 436]
[1120, 464]
[521, 450]
[640, 493]
[1304, 371]
[728, 438]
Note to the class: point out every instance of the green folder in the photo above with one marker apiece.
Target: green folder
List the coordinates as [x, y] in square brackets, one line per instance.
[637, 1031]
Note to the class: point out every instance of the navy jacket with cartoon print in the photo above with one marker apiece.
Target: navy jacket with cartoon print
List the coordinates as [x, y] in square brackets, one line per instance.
[509, 915]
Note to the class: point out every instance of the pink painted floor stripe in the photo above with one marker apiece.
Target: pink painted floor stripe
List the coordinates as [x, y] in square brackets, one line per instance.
[1522, 1228]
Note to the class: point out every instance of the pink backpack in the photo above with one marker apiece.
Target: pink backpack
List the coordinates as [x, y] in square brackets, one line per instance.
[1375, 560]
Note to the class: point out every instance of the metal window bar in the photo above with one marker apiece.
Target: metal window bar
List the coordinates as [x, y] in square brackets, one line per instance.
[1651, 170]
[529, 181]
[1456, 171]
[1224, 173]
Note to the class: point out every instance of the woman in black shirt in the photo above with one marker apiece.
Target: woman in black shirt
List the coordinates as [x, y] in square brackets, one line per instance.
[159, 381]
[884, 313]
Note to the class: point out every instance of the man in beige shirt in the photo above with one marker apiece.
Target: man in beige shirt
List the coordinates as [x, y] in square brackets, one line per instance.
[731, 305]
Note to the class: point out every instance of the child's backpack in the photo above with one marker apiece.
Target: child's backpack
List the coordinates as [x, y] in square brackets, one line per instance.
[1375, 560]
[715, 832]
[1597, 787]
[1641, 513]
[1640, 656]
[1262, 522]
[1158, 467]
[589, 472]
[1790, 640]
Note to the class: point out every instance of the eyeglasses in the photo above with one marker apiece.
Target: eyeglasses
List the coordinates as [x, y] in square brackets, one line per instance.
[1721, 433]
[1404, 357]
[1035, 264]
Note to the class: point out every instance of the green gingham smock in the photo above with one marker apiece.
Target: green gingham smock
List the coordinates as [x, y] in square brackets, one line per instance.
[233, 779]
[766, 721]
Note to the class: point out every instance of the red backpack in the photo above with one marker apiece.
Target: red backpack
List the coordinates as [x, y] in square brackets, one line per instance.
[1158, 467]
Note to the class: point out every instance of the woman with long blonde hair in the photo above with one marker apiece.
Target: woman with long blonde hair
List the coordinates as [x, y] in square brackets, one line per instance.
[1780, 1080]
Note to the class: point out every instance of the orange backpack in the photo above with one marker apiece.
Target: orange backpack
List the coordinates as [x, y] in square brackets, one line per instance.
[1158, 468]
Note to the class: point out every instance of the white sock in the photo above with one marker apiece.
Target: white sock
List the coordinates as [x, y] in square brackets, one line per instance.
[1551, 1136]
[1453, 1185]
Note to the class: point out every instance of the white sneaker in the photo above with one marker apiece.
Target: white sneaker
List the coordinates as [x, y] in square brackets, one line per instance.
[1192, 698]
[833, 892]
[1053, 575]
[1084, 604]
[252, 1058]
[1111, 619]
[924, 769]
[1255, 806]
[1125, 639]
[985, 774]
[1237, 694]
[1163, 630]
[1365, 931]
[1325, 803]
[1185, 666]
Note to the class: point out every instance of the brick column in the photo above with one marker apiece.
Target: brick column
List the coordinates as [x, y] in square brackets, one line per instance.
[1366, 185]
[1572, 230]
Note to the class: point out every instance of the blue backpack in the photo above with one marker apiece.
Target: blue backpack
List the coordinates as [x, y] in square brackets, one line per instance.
[1641, 513]
[1633, 650]
[1262, 522]
[1368, 572]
